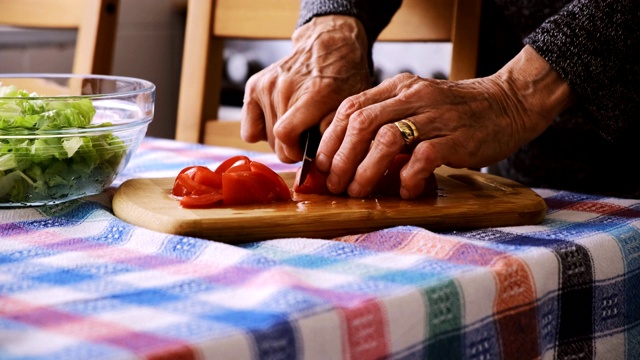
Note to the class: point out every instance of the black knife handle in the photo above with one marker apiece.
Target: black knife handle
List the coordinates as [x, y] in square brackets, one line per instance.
[311, 141]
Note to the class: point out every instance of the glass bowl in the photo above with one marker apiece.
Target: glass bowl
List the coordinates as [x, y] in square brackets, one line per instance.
[66, 136]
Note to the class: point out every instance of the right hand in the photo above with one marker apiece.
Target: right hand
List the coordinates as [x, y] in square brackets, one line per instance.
[329, 63]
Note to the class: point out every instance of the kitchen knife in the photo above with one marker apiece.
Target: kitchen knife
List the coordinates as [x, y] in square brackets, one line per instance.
[310, 139]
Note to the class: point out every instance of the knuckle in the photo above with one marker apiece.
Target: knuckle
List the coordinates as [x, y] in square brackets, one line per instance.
[339, 162]
[387, 137]
[350, 105]
[361, 120]
[428, 154]
[405, 76]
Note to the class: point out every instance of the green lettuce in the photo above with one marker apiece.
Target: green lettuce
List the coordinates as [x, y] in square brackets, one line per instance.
[49, 168]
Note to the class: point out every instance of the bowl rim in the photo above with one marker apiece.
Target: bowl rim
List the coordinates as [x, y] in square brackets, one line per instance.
[148, 86]
[80, 131]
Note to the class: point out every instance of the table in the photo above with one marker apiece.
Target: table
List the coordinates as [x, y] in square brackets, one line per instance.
[78, 283]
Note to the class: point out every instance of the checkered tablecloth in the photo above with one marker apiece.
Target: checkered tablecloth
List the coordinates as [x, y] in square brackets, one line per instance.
[78, 283]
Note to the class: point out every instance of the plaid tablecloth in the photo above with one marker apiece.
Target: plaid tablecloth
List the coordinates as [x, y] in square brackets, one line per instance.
[78, 283]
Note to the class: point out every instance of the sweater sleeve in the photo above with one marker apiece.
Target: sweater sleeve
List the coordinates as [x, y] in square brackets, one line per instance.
[594, 45]
[374, 15]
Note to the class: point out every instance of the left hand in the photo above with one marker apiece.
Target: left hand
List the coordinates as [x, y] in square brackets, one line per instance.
[470, 123]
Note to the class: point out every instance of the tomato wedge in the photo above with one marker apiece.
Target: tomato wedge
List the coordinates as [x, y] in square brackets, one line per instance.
[315, 183]
[277, 182]
[246, 187]
[205, 176]
[202, 201]
[185, 185]
[230, 162]
[236, 181]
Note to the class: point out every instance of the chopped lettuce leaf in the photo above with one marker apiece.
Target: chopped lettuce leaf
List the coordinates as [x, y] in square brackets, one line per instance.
[49, 168]
[8, 162]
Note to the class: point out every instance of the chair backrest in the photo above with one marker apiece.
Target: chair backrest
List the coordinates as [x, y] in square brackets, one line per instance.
[210, 22]
[95, 21]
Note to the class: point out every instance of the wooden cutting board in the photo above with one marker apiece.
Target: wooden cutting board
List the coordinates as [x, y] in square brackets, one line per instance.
[466, 200]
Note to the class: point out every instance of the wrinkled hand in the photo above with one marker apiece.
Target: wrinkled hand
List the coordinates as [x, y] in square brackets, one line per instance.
[328, 63]
[471, 123]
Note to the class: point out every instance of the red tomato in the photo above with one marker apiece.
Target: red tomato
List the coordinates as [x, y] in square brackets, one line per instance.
[179, 189]
[315, 183]
[205, 176]
[185, 185]
[277, 182]
[202, 201]
[237, 181]
[245, 187]
[194, 177]
[230, 162]
[238, 168]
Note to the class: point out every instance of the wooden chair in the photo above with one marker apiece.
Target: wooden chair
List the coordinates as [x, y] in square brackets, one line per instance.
[210, 22]
[95, 21]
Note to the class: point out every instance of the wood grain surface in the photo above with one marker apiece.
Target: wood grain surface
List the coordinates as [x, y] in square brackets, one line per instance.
[466, 200]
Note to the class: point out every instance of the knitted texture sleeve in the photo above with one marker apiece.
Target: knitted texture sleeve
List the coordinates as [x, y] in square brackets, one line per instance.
[595, 45]
[373, 14]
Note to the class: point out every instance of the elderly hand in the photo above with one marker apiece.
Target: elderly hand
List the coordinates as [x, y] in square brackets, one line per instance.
[328, 63]
[470, 123]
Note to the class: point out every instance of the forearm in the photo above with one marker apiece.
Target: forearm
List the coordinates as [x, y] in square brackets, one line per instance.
[540, 90]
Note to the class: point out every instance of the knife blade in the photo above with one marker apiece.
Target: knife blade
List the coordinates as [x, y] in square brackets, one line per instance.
[311, 140]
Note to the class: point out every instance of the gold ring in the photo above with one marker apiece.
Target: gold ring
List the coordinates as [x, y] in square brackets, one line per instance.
[408, 130]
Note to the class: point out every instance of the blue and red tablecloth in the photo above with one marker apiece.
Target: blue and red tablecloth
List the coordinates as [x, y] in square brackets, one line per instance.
[78, 283]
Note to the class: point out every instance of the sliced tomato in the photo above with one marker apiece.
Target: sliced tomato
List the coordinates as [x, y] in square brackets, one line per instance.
[203, 175]
[202, 201]
[184, 185]
[230, 162]
[246, 187]
[236, 181]
[315, 183]
[178, 188]
[277, 182]
[239, 168]
[194, 177]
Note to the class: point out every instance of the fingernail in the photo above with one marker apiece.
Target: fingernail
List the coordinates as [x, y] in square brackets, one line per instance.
[354, 190]
[404, 193]
[322, 162]
[333, 183]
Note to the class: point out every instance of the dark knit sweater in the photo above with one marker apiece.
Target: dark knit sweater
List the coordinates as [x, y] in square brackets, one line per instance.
[593, 147]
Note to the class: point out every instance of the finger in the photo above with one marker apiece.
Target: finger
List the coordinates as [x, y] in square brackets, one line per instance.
[383, 99]
[326, 121]
[334, 135]
[345, 144]
[300, 117]
[424, 160]
[386, 145]
[373, 121]
[278, 148]
[252, 122]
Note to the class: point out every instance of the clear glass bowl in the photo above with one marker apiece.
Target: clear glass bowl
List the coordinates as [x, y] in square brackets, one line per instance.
[66, 136]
